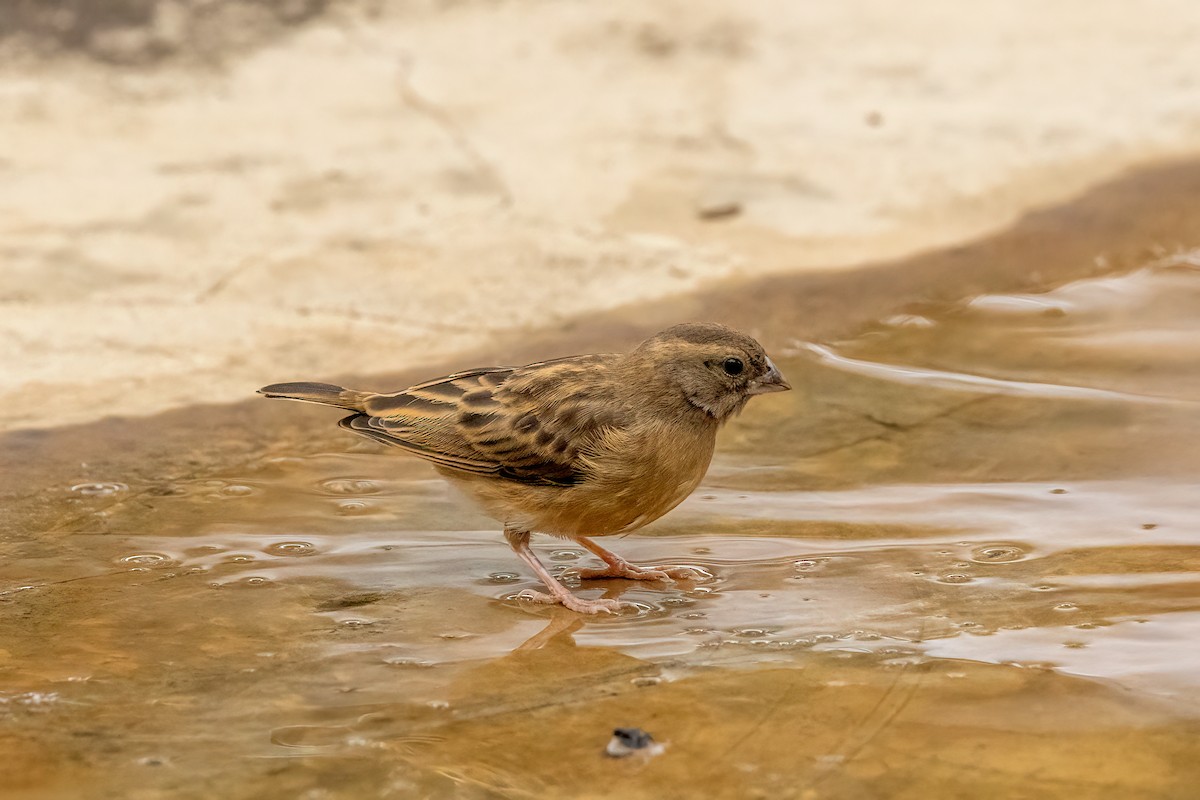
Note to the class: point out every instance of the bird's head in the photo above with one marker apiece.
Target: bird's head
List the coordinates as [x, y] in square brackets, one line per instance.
[707, 366]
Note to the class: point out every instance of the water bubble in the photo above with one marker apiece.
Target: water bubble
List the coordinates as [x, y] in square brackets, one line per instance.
[805, 564]
[237, 490]
[356, 623]
[1149, 526]
[1075, 645]
[997, 554]
[290, 549]
[240, 559]
[348, 507]
[646, 680]
[701, 551]
[1058, 491]
[146, 559]
[956, 577]
[566, 555]
[503, 577]
[256, 581]
[98, 489]
[1066, 607]
[747, 633]
[350, 486]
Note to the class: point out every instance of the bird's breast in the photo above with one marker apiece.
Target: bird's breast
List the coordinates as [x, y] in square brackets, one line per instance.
[629, 478]
[632, 477]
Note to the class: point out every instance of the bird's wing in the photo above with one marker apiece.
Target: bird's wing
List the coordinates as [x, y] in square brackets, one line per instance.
[527, 424]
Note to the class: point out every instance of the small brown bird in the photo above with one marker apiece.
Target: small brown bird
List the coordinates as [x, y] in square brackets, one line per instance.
[575, 447]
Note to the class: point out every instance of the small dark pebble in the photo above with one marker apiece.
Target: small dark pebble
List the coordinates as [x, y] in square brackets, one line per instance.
[627, 741]
[718, 208]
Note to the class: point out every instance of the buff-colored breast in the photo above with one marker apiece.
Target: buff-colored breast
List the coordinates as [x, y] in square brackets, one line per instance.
[631, 477]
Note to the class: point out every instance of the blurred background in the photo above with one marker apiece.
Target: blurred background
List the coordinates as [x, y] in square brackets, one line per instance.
[198, 196]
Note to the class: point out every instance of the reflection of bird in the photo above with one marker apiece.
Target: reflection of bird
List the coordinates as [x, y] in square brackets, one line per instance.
[575, 447]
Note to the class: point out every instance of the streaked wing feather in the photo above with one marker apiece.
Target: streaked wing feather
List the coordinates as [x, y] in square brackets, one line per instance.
[527, 424]
[361, 424]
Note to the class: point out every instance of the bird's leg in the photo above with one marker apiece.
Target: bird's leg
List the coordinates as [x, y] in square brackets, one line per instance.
[519, 541]
[617, 567]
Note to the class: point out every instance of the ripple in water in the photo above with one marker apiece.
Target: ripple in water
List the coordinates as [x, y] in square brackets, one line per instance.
[290, 549]
[146, 560]
[350, 486]
[98, 489]
[997, 554]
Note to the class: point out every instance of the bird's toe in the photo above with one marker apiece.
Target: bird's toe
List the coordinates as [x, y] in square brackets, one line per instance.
[678, 573]
[631, 572]
[574, 603]
[582, 606]
[537, 597]
[626, 571]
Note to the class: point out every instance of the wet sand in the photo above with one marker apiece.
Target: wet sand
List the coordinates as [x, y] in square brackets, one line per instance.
[959, 560]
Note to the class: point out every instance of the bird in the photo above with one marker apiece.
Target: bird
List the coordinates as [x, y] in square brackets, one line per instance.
[577, 447]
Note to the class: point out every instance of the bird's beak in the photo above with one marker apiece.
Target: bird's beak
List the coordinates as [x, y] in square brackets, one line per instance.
[773, 381]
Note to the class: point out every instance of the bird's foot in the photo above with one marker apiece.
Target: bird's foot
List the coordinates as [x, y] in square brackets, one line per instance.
[632, 572]
[577, 604]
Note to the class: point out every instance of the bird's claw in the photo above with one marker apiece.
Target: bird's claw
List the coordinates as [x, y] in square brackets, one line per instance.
[686, 573]
[577, 604]
[635, 573]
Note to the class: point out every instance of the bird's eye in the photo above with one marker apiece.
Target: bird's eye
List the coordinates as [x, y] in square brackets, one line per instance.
[733, 366]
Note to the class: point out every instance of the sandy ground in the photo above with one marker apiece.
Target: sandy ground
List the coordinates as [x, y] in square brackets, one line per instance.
[379, 189]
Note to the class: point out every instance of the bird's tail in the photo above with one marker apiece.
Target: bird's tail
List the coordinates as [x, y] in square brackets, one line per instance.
[324, 393]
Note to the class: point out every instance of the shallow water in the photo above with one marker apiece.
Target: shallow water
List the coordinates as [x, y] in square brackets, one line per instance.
[962, 559]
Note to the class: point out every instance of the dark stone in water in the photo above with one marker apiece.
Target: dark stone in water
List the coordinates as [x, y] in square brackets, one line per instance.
[627, 741]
